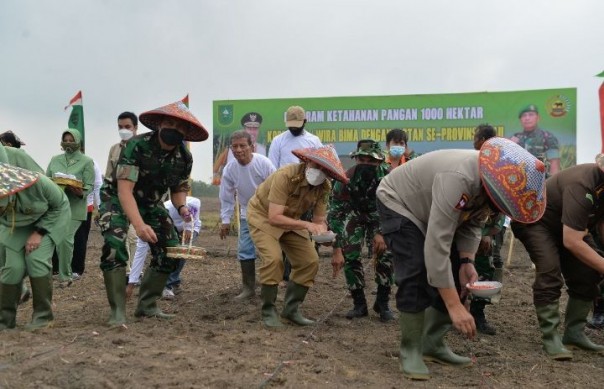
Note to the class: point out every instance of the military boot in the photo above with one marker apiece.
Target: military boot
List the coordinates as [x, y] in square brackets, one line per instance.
[360, 304]
[41, 290]
[549, 320]
[477, 310]
[410, 354]
[576, 319]
[248, 277]
[381, 303]
[116, 295]
[436, 326]
[597, 320]
[294, 296]
[151, 288]
[270, 318]
[9, 299]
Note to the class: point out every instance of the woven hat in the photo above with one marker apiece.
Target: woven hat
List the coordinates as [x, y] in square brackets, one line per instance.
[370, 148]
[194, 132]
[513, 178]
[14, 179]
[325, 156]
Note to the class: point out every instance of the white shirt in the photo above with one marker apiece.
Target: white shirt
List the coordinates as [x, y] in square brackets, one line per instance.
[194, 206]
[280, 150]
[243, 181]
[94, 197]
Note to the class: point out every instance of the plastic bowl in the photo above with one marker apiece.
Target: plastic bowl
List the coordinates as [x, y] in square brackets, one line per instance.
[484, 288]
[324, 238]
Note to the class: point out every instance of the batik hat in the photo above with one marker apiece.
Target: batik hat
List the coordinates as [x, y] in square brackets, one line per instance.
[14, 179]
[370, 148]
[600, 161]
[513, 178]
[195, 131]
[325, 156]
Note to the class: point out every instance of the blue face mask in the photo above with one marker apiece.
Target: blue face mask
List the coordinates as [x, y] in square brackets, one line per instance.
[397, 151]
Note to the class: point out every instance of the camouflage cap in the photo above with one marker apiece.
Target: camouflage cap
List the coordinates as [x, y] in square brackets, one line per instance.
[370, 148]
[528, 108]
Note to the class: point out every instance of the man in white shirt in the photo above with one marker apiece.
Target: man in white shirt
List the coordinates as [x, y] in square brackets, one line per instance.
[296, 137]
[190, 231]
[240, 179]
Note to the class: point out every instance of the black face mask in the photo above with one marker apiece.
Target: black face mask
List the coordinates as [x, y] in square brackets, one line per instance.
[171, 136]
[296, 130]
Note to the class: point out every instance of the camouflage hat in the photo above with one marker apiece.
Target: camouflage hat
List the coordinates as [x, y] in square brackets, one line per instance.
[194, 132]
[600, 161]
[325, 156]
[528, 108]
[15, 179]
[251, 119]
[370, 148]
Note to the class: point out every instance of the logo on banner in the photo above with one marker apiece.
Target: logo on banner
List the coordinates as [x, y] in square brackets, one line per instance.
[558, 106]
[225, 114]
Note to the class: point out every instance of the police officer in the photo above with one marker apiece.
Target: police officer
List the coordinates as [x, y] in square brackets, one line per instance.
[151, 164]
[542, 144]
[353, 216]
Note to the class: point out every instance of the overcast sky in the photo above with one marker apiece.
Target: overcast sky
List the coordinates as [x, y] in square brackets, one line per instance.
[141, 54]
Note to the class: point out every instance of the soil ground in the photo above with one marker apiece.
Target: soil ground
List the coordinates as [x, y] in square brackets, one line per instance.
[215, 342]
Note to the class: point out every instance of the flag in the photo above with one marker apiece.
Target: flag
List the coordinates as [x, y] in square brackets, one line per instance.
[601, 94]
[76, 119]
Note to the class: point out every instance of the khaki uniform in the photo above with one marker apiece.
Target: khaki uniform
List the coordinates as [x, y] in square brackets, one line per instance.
[287, 187]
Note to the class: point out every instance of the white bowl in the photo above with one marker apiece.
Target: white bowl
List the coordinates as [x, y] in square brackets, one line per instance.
[325, 237]
[484, 288]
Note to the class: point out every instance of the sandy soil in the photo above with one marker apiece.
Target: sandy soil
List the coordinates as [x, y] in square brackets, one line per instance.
[215, 342]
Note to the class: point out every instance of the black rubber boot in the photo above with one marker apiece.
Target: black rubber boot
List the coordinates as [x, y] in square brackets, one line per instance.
[597, 319]
[360, 304]
[248, 277]
[294, 296]
[477, 310]
[41, 290]
[270, 318]
[381, 303]
[9, 298]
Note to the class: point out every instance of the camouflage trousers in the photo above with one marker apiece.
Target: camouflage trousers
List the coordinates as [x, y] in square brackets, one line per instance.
[356, 230]
[114, 227]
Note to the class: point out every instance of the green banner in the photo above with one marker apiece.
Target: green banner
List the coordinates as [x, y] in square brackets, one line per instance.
[443, 121]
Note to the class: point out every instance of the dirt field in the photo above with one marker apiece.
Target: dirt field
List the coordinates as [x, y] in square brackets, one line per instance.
[217, 343]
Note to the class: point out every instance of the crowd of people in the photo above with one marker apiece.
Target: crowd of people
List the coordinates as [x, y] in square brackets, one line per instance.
[432, 225]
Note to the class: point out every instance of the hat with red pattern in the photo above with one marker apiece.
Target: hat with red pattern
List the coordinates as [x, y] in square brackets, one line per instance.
[325, 156]
[194, 131]
[513, 178]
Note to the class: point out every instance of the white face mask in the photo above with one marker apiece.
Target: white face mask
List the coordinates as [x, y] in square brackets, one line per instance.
[125, 134]
[315, 176]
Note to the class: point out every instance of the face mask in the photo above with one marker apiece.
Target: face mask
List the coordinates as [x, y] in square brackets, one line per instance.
[171, 136]
[397, 151]
[70, 147]
[295, 130]
[315, 176]
[125, 134]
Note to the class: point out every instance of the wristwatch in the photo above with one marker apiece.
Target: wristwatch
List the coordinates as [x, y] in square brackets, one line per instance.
[466, 260]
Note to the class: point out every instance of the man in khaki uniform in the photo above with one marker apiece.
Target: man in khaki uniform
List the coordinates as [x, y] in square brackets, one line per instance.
[274, 220]
[432, 210]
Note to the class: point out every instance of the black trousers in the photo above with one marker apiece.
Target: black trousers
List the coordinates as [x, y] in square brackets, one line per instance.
[80, 244]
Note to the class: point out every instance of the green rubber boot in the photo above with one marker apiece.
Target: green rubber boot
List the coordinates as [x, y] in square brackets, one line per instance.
[294, 296]
[576, 319]
[116, 295]
[248, 278]
[270, 318]
[436, 326]
[549, 320]
[9, 299]
[411, 362]
[151, 288]
[41, 290]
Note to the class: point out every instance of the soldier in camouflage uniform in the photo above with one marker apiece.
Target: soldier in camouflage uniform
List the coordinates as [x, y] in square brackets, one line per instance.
[149, 166]
[542, 144]
[353, 216]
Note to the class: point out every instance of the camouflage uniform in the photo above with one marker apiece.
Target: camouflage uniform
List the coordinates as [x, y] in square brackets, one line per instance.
[353, 216]
[154, 171]
[542, 144]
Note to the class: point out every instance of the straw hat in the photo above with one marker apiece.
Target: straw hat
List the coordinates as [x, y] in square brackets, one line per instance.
[194, 132]
[513, 178]
[15, 179]
[325, 156]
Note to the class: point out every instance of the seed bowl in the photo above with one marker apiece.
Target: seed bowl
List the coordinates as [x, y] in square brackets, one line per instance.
[326, 237]
[484, 288]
